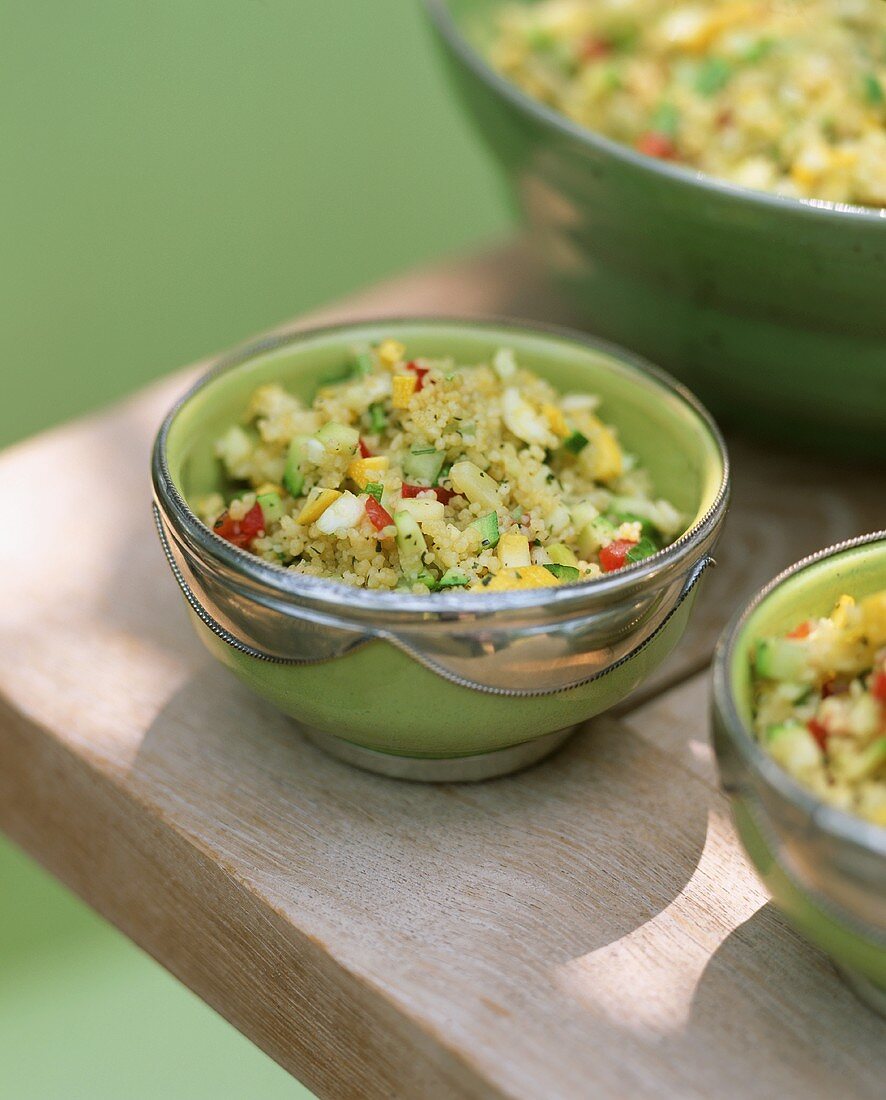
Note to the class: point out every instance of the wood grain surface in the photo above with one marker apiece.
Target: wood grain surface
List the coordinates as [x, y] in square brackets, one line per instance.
[587, 928]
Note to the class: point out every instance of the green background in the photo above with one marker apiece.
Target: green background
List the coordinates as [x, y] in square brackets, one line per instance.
[178, 174]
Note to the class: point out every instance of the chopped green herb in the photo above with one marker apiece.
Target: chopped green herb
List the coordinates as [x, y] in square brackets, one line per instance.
[575, 443]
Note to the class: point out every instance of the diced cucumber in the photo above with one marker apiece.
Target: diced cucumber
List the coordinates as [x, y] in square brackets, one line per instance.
[488, 527]
[560, 554]
[645, 548]
[423, 465]
[362, 364]
[594, 535]
[338, 438]
[294, 473]
[582, 514]
[783, 659]
[793, 746]
[410, 544]
[271, 507]
[453, 578]
[378, 418]
[565, 573]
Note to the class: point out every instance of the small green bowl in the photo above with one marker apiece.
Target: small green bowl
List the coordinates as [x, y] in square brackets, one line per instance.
[770, 308]
[461, 684]
[826, 869]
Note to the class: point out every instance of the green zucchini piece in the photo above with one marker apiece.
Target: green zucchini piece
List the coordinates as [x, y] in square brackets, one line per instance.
[423, 464]
[488, 527]
[294, 473]
[271, 507]
[565, 573]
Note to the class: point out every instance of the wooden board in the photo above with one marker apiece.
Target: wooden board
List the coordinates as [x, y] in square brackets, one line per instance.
[587, 928]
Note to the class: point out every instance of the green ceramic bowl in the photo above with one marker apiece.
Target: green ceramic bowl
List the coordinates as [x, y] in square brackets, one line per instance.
[826, 869]
[770, 308]
[461, 684]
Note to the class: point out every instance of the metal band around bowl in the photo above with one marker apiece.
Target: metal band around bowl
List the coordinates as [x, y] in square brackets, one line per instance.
[350, 641]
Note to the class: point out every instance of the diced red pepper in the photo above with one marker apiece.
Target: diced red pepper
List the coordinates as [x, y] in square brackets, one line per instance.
[613, 556]
[594, 47]
[819, 732]
[878, 686]
[658, 145]
[364, 450]
[419, 373]
[443, 495]
[803, 630]
[241, 532]
[379, 517]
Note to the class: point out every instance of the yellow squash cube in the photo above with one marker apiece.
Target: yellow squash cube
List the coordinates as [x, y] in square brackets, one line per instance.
[365, 470]
[527, 576]
[391, 352]
[403, 389]
[316, 504]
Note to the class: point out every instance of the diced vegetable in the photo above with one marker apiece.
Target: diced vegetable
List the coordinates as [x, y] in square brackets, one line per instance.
[582, 514]
[391, 352]
[560, 554]
[419, 373]
[647, 528]
[271, 506]
[527, 576]
[453, 578]
[379, 517]
[378, 418]
[364, 449]
[374, 489]
[339, 439]
[522, 419]
[873, 90]
[575, 443]
[362, 364]
[615, 555]
[240, 532]
[404, 386]
[594, 536]
[316, 504]
[293, 474]
[364, 470]
[645, 548]
[602, 459]
[424, 509]
[342, 515]
[793, 746]
[443, 495]
[410, 543]
[513, 551]
[488, 527]
[467, 478]
[783, 659]
[712, 76]
[423, 464]
[556, 420]
[564, 573]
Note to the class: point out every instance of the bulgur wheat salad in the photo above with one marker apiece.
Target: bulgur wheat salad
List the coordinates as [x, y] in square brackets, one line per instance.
[425, 474]
[820, 704]
[779, 95]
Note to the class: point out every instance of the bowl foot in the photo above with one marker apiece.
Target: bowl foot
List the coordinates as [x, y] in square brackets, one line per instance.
[452, 769]
[874, 996]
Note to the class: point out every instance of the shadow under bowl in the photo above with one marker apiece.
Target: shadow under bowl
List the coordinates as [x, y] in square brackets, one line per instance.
[826, 869]
[460, 684]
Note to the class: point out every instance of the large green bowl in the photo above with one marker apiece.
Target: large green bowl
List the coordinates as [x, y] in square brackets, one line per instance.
[826, 869]
[772, 309]
[457, 685]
